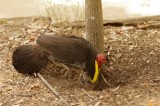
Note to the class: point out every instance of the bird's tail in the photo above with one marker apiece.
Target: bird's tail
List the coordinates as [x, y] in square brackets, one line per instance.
[29, 59]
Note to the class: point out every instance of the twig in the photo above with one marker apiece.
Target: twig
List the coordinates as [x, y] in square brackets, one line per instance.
[105, 80]
[46, 28]
[98, 103]
[127, 102]
[116, 88]
[87, 93]
[157, 80]
[24, 95]
[51, 88]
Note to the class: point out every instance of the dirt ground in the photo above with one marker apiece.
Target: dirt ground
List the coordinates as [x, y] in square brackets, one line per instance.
[135, 68]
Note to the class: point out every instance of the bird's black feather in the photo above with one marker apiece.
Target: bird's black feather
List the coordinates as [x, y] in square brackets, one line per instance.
[69, 49]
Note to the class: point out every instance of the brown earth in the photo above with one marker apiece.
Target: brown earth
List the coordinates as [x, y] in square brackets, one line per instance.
[135, 68]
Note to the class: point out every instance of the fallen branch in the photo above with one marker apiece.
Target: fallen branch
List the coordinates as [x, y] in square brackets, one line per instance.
[51, 88]
[131, 21]
[149, 24]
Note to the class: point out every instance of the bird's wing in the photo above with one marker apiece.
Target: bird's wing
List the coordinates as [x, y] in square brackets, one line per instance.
[65, 48]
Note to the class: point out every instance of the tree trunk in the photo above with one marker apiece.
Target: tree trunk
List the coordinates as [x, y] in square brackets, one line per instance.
[94, 24]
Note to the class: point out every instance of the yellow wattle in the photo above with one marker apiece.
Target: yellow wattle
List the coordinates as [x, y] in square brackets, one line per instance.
[96, 74]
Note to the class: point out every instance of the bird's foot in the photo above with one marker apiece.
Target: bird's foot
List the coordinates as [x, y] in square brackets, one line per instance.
[84, 77]
[67, 71]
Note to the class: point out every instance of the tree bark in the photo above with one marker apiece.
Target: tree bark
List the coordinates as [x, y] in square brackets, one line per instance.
[94, 24]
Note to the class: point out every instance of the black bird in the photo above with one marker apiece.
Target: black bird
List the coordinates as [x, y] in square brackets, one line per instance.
[29, 59]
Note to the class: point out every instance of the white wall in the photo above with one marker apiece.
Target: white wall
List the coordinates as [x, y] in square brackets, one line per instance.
[111, 8]
[21, 8]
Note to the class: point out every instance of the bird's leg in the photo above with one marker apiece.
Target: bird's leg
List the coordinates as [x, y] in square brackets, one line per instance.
[84, 76]
[66, 70]
[68, 73]
[53, 60]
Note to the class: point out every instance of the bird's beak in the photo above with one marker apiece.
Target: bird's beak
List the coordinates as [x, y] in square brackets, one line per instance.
[108, 61]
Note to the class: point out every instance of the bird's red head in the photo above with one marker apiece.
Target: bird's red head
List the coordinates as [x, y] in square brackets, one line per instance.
[101, 58]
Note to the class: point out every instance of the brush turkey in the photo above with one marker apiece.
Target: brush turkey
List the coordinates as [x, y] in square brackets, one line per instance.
[29, 59]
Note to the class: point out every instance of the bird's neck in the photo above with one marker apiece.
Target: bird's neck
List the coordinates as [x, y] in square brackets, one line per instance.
[99, 64]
